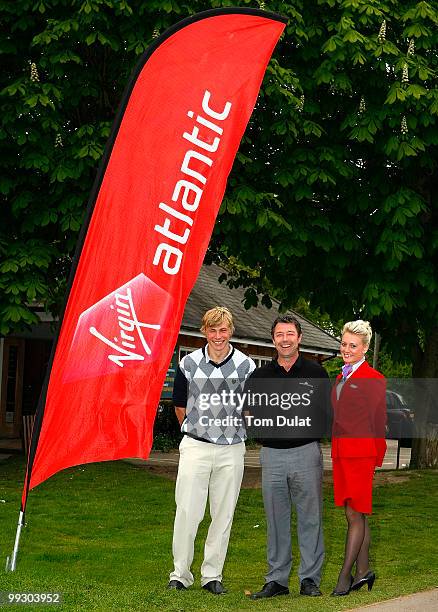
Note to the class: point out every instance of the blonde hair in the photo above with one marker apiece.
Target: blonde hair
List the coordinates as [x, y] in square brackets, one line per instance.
[360, 328]
[217, 316]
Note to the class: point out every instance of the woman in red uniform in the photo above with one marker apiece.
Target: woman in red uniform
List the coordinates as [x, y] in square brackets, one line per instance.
[358, 446]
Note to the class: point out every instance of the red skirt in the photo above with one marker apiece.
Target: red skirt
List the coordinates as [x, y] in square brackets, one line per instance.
[353, 482]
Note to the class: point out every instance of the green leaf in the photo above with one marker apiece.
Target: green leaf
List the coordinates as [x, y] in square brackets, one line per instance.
[9, 266]
[330, 45]
[353, 36]
[250, 298]
[405, 150]
[262, 218]
[416, 91]
[17, 313]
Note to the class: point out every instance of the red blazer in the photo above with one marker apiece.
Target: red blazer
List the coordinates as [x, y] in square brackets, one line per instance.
[359, 415]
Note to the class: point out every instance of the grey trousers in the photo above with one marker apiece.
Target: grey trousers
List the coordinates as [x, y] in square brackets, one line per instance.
[293, 476]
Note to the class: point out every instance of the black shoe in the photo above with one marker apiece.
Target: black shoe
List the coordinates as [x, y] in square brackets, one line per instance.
[270, 589]
[367, 579]
[308, 587]
[176, 585]
[336, 593]
[215, 587]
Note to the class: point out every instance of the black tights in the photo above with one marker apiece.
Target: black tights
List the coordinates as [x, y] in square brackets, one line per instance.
[357, 545]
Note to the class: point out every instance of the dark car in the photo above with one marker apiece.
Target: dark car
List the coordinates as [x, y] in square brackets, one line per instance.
[400, 423]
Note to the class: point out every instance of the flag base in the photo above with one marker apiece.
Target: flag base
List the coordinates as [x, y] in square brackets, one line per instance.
[11, 562]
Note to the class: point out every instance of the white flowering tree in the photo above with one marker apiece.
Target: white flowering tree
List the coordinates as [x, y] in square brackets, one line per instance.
[333, 193]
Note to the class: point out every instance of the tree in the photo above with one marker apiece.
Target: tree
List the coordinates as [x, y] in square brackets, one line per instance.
[65, 65]
[333, 197]
[333, 193]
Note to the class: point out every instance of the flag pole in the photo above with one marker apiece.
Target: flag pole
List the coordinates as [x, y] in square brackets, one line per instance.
[11, 562]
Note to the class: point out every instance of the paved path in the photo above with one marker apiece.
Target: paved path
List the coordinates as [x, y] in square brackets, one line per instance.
[252, 457]
[419, 602]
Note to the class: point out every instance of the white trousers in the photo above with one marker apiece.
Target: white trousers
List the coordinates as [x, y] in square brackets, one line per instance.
[205, 470]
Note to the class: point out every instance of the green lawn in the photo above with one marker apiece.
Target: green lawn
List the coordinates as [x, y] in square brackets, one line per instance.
[101, 534]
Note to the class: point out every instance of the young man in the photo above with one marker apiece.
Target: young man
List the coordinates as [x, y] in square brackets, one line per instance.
[292, 468]
[211, 451]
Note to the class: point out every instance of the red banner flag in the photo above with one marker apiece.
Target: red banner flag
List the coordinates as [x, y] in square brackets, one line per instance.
[151, 215]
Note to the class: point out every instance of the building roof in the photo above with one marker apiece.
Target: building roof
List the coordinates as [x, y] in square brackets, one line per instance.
[253, 325]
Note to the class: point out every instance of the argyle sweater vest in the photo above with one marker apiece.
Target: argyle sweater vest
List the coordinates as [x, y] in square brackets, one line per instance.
[214, 409]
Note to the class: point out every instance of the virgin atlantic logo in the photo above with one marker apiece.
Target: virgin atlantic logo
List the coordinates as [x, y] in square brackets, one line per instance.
[130, 330]
[122, 330]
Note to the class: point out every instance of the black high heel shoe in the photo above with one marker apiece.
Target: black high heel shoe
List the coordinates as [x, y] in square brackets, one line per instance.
[368, 579]
[336, 593]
